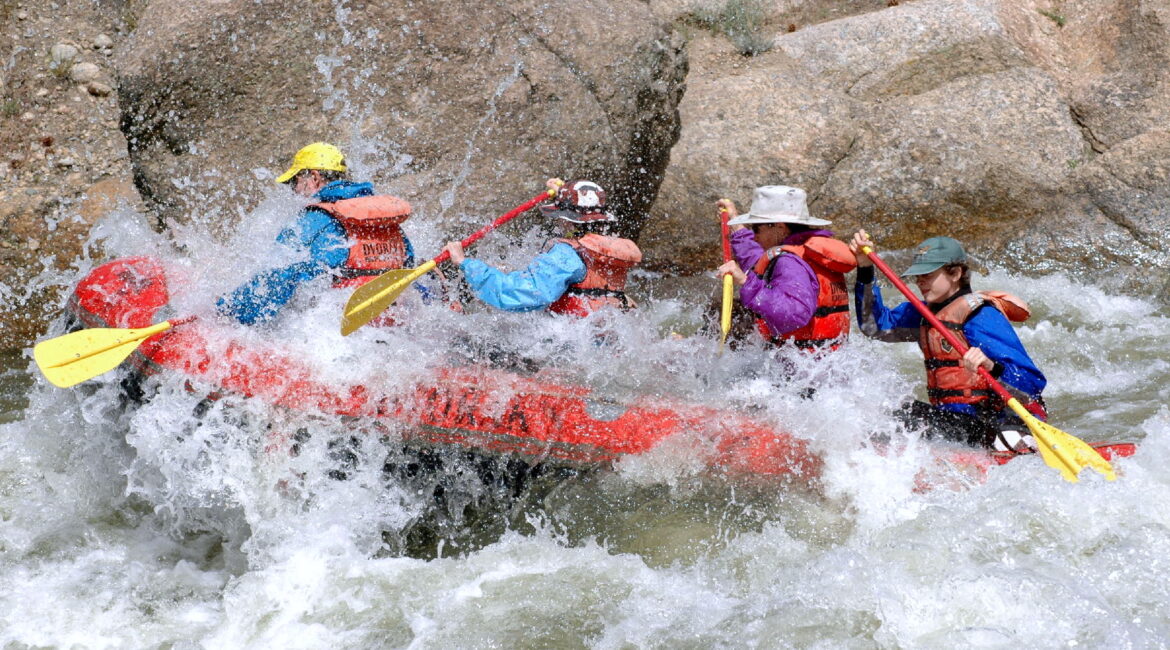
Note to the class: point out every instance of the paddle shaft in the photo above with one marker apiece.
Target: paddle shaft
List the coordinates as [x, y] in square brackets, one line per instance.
[728, 281]
[937, 324]
[724, 218]
[503, 219]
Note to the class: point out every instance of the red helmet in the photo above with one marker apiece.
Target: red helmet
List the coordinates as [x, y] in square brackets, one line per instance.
[579, 202]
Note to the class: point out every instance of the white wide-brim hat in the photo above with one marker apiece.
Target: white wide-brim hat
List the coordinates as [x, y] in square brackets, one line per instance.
[778, 204]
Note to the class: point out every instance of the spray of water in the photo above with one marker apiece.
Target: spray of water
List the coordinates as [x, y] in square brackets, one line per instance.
[194, 518]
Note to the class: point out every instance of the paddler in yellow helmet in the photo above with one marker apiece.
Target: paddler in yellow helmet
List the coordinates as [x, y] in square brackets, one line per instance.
[346, 231]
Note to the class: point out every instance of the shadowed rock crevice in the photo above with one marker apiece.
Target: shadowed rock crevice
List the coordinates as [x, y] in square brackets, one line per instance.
[1092, 140]
[586, 82]
[814, 193]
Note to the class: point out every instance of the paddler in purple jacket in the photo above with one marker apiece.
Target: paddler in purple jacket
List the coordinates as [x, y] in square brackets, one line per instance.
[772, 241]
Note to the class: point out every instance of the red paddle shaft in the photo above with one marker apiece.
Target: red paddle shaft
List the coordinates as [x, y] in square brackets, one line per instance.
[726, 235]
[515, 212]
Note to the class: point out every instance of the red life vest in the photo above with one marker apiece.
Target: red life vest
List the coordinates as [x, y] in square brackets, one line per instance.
[830, 259]
[376, 244]
[608, 261]
[947, 381]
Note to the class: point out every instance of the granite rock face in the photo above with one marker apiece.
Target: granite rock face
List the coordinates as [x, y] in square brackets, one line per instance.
[61, 153]
[1035, 135]
[463, 108]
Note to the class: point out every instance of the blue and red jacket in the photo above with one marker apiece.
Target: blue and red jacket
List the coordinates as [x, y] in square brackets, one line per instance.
[987, 328]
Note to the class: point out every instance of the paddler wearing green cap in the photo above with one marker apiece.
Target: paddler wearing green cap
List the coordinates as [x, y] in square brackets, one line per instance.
[962, 405]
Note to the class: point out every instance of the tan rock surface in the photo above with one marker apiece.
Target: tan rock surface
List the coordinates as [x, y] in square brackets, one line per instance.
[57, 139]
[1033, 130]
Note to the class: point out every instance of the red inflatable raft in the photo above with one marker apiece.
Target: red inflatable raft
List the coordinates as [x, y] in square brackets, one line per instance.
[482, 409]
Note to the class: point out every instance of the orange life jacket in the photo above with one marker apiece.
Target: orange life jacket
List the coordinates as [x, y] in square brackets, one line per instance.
[608, 261]
[376, 244]
[947, 381]
[830, 260]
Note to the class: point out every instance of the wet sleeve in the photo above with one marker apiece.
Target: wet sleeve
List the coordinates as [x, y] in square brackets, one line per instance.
[990, 331]
[877, 321]
[328, 245]
[537, 286]
[787, 301]
[261, 298]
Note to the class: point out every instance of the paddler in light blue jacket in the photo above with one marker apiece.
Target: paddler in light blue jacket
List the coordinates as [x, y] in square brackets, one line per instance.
[576, 275]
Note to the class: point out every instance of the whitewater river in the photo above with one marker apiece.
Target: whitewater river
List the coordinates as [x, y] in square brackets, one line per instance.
[169, 525]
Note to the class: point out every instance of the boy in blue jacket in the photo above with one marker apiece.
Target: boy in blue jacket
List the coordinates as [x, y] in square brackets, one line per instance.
[962, 406]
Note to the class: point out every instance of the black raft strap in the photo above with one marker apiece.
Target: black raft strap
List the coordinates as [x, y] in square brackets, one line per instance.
[810, 344]
[349, 273]
[821, 312]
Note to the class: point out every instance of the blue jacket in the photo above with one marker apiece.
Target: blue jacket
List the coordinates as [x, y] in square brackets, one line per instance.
[539, 285]
[320, 242]
[987, 329]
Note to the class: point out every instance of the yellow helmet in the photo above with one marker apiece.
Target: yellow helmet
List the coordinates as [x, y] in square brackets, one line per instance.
[318, 155]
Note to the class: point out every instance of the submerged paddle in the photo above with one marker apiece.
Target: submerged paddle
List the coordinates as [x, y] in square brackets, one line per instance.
[73, 358]
[1060, 450]
[373, 297]
[728, 283]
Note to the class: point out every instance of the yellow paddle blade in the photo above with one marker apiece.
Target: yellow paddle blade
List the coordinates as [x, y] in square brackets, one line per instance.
[725, 314]
[373, 297]
[1063, 451]
[73, 358]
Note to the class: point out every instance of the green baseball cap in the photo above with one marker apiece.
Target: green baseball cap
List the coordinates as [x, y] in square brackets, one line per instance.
[935, 253]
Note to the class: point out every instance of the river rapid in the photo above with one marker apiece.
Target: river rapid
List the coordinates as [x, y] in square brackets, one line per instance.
[171, 525]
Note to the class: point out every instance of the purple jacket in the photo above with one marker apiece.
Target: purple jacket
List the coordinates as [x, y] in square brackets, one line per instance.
[788, 300]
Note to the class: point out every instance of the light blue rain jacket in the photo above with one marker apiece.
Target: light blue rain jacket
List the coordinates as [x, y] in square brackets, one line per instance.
[536, 287]
[322, 242]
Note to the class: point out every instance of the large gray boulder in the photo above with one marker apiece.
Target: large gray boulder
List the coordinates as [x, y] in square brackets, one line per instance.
[1110, 56]
[973, 158]
[461, 107]
[1035, 133]
[906, 49]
